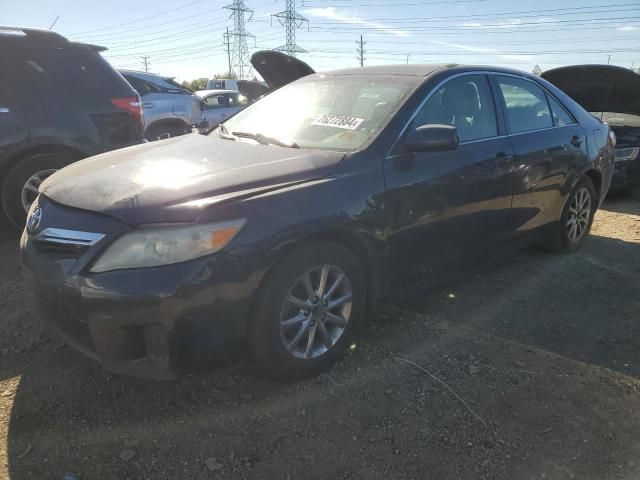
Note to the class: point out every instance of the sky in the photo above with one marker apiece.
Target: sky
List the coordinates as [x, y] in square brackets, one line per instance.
[184, 38]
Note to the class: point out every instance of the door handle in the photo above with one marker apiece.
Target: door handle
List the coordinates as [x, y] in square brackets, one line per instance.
[576, 140]
[148, 105]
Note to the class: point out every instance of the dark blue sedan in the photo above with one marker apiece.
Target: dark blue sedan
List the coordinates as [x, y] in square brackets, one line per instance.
[282, 228]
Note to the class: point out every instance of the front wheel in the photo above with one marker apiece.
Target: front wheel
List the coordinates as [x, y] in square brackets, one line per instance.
[577, 217]
[308, 311]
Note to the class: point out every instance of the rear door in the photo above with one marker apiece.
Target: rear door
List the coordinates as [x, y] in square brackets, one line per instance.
[445, 208]
[549, 146]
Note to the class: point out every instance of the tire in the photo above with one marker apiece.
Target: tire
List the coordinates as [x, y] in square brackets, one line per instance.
[16, 179]
[163, 130]
[267, 339]
[561, 240]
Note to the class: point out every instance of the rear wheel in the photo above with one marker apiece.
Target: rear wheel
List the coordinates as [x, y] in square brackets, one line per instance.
[20, 186]
[577, 217]
[162, 131]
[308, 311]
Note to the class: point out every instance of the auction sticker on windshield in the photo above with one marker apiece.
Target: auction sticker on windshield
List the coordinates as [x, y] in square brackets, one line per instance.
[337, 121]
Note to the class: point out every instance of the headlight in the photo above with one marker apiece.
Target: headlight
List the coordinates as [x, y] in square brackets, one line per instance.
[151, 247]
[626, 154]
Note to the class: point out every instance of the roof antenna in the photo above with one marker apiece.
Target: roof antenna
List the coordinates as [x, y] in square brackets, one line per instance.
[54, 22]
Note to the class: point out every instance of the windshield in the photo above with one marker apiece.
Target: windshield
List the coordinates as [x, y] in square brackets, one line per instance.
[326, 112]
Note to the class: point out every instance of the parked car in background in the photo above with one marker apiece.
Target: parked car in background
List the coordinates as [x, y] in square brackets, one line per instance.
[60, 101]
[222, 84]
[170, 109]
[284, 226]
[612, 94]
[218, 105]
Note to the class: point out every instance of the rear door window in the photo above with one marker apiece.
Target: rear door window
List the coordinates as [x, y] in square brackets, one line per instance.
[527, 107]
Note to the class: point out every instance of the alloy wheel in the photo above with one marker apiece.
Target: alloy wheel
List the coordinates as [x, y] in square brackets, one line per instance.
[579, 215]
[31, 186]
[316, 311]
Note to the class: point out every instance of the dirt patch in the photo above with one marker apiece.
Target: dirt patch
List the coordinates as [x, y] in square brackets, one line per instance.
[544, 349]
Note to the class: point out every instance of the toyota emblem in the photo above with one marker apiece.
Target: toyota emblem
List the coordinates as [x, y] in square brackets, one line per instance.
[34, 220]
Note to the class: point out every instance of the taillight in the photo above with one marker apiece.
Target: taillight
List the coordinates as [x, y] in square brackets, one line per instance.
[612, 139]
[133, 105]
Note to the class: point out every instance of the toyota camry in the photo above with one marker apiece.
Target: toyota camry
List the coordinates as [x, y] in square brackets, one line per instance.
[281, 229]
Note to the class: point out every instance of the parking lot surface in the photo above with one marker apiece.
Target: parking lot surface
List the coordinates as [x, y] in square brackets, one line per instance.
[542, 352]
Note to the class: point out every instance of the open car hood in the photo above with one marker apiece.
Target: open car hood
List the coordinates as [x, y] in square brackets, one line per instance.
[599, 88]
[252, 89]
[278, 68]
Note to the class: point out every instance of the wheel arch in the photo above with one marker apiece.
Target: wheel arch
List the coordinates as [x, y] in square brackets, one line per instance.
[356, 244]
[14, 158]
[166, 121]
[596, 178]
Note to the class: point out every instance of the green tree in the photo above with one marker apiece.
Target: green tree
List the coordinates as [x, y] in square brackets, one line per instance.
[226, 75]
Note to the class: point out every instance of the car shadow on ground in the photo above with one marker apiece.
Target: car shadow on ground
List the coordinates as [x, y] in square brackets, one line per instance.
[67, 412]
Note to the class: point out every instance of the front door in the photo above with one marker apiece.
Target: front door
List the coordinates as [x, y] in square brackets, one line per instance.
[445, 208]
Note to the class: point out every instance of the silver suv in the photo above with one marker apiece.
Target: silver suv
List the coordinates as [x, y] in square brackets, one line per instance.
[169, 108]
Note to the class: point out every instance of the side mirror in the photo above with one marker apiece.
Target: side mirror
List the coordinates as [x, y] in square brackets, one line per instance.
[202, 105]
[432, 138]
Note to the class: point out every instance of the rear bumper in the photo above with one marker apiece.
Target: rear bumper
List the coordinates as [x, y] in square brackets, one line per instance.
[158, 323]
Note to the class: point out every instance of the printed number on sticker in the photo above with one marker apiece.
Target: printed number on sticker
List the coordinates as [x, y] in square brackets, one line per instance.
[337, 121]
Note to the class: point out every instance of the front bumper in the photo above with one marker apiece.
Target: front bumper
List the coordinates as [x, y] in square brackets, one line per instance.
[626, 174]
[160, 322]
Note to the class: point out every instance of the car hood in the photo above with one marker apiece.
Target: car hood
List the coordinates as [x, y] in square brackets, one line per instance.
[252, 89]
[599, 88]
[174, 180]
[278, 68]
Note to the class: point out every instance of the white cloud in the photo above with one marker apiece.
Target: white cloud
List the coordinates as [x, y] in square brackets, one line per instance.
[331, 13]
[488, 51]
[627, 28]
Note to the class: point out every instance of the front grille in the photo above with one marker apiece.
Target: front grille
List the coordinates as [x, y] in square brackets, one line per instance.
[59, 241]
[76, 329]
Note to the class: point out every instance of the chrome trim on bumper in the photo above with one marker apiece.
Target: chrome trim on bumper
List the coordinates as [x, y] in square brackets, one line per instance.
[62, 236]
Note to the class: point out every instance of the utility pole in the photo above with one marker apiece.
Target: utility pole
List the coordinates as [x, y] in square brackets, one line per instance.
[145, 63]
[361, 51]
[227, 42]
[240, 52]
[291, 20]
[408, 55]
[609, 60]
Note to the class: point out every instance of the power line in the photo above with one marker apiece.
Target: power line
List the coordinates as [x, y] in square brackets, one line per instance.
[291, 20]
[110, 27]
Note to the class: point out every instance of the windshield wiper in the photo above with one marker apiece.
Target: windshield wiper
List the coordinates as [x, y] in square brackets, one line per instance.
[265, 140]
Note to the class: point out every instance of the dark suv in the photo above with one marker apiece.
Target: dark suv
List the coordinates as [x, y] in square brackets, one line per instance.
[60, 101]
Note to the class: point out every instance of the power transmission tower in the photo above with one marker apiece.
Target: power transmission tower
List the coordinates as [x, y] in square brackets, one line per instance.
[361, 51]
[291, 20]
[145, 63]
[240, 51]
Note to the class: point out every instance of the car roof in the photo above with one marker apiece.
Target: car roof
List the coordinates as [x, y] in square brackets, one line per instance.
[40, 37]
[145, 75]
[421, 70]
[203, 93]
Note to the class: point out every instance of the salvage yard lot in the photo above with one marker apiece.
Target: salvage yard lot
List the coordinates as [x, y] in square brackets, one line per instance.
[544, 349]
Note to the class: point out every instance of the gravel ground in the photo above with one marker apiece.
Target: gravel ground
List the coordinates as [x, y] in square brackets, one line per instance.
[542, 352]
